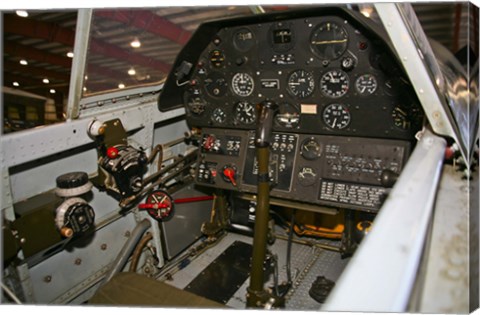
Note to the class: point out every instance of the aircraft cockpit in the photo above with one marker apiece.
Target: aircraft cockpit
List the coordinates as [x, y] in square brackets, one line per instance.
[285, 158]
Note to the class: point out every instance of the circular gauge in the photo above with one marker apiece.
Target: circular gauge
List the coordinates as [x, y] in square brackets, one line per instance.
[242, 84]
[400, 118]
[307, 176]
[217, 58]
[159, 205]
[216, 84]
[329, 41]
[287, 116]
[366, 84]
[245, 113]
[196, 104]
[243, 39]
[218, 115]
[311, 149]
[336, 116]
[301, 83]
[334, 83]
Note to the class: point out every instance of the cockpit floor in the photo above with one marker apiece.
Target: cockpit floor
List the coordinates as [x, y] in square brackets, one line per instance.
[307, 263]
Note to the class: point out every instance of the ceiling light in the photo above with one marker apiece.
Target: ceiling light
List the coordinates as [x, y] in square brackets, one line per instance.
[121, 86]
[135, 43]
[84, 89]
[367, 11]
[70, 54]
[52, 91]
[46, 81]
[16, 83]
[22, 13]
[132, 71]
[23, 62]
[86, 77]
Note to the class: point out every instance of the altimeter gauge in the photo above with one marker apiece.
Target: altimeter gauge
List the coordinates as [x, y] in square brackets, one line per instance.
[301, 83]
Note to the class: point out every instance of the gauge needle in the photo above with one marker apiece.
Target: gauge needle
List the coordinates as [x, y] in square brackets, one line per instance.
[323, 42]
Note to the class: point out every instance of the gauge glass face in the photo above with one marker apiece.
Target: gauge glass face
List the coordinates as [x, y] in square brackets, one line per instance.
[243, 39]
[242, 84]
[329, 41]
[196, 104]
[245, 113]
[366, 84]
[311, 149]
[287, 116]
[336, 116]
[219, 116]
[217, 58]
[301, 83]
[334, 83]
[215, 84]
[307, 176]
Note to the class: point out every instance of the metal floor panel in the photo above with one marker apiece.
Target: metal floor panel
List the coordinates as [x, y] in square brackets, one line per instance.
[306, 264]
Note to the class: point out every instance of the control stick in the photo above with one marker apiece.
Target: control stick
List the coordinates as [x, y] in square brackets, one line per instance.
[256, 295]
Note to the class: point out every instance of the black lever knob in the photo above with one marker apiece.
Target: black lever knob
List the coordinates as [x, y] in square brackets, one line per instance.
[388, 178]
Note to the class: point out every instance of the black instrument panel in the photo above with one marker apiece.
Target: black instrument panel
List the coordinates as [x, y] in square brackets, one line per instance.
[346, 115]
[323, 73]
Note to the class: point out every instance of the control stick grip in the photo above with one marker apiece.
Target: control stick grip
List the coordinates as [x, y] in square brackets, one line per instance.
[265, 112]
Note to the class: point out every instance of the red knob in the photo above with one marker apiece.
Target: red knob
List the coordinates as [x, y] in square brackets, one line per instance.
[229, 173]
[112, 152]
[209, 142]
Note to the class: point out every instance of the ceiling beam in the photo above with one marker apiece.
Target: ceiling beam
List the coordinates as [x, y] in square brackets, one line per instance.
[54, 33]
[49, 74]
[146, 20]
[28, 52]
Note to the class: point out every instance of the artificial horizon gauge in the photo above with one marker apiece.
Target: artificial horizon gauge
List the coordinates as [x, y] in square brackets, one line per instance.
[336, 116]
[242, 84]
[301, 83]
[218, 115]
[334, 83]
[329, 41]
[366, 84]
[287, 115]
[244, 112]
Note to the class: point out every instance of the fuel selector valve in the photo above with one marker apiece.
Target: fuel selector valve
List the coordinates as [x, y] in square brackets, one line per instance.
[229, 174]
[74, 216]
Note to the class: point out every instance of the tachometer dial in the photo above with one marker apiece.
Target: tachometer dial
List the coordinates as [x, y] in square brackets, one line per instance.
[242, 84]
[307, 176]
[287, 116]
[336, 116]
[218, 115]
[245, 112]
[311, 149]
[216, 84]
[334, 83]
[301, 83]
[329, 41]
[366, 84]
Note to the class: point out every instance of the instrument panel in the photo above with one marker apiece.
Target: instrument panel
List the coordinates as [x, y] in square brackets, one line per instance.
[325, 75]
[346, 113]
